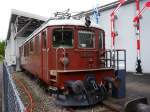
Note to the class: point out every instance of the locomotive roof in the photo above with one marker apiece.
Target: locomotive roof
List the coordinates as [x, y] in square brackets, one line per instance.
[59, 22]
[73, 22]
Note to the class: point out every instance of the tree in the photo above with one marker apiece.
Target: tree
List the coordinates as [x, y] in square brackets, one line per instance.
[2, 48]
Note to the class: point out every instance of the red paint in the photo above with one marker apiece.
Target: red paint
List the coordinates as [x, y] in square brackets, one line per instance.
[99, 74]
[138, 44]
[135, 19]
[137, 5]
[122, 1]
[147, 4]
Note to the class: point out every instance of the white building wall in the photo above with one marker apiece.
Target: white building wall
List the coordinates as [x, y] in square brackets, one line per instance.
[18, 43]
[7, 51]
[126, 38]
[12, 48]
[10, 55]
[145, 40]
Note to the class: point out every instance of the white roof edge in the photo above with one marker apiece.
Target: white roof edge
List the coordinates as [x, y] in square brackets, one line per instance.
[26, 14]
[72, 22]
[58, 23]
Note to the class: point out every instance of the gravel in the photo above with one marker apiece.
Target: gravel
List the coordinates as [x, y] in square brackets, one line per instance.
[43, 102]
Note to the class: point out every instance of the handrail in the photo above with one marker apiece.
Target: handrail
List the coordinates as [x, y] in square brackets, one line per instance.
[57, 56]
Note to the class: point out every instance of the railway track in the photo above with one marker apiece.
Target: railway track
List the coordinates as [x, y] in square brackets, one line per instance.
[30, 106]
[39, 101]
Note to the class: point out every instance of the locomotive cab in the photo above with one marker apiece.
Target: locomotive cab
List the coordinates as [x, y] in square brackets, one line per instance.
[76, 43]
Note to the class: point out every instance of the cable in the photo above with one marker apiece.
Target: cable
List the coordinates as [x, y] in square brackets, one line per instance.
[29, 107]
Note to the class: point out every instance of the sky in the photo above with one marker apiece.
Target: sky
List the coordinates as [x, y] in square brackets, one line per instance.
[44, 8]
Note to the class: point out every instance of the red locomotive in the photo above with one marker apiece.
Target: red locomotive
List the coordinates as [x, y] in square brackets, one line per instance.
[66, 54]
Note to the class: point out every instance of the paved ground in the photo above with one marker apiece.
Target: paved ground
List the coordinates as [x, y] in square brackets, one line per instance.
[137, 86]
[1, 88]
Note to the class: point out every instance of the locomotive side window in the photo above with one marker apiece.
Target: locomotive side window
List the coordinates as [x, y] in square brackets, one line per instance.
[101, 40]
[31, 45]
[24, 50]
[86, 39]
[37, 44]
[27, 49]
[21, 51]
[63, 38]
[44, 39]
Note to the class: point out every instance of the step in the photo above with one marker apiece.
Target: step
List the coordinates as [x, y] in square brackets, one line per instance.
[53, 80]
[52, 88]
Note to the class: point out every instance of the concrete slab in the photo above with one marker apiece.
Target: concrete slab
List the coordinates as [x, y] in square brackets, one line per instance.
[137, 86]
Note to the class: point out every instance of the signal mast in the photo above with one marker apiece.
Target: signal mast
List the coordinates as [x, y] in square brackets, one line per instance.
[113, 31]
[113, 17]
[136, 20]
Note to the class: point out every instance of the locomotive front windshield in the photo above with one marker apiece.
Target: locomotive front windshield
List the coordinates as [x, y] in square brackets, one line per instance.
[63, 38]
[86, 39]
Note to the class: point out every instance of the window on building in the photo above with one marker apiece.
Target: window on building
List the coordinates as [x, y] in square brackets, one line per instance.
[86, 39]
[101, 40]
[44, 39]
[22, 51]
[63, 37]
[25, 50]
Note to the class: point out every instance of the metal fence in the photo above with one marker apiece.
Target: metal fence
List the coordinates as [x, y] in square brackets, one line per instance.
[12, 101]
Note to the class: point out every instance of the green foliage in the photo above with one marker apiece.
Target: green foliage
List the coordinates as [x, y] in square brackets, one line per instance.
[2, 49]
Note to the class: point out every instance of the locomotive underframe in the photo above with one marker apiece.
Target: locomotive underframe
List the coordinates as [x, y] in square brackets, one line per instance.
[82, 87]
[100, 74]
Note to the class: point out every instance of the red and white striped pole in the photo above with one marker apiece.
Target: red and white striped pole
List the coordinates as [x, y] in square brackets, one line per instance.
[136, 20]
[137, 25]
[113, 31]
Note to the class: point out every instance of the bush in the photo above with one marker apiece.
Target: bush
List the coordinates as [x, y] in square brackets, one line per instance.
[2, 49]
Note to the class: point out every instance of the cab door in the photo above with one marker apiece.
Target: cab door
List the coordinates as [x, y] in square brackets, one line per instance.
[44, 56]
